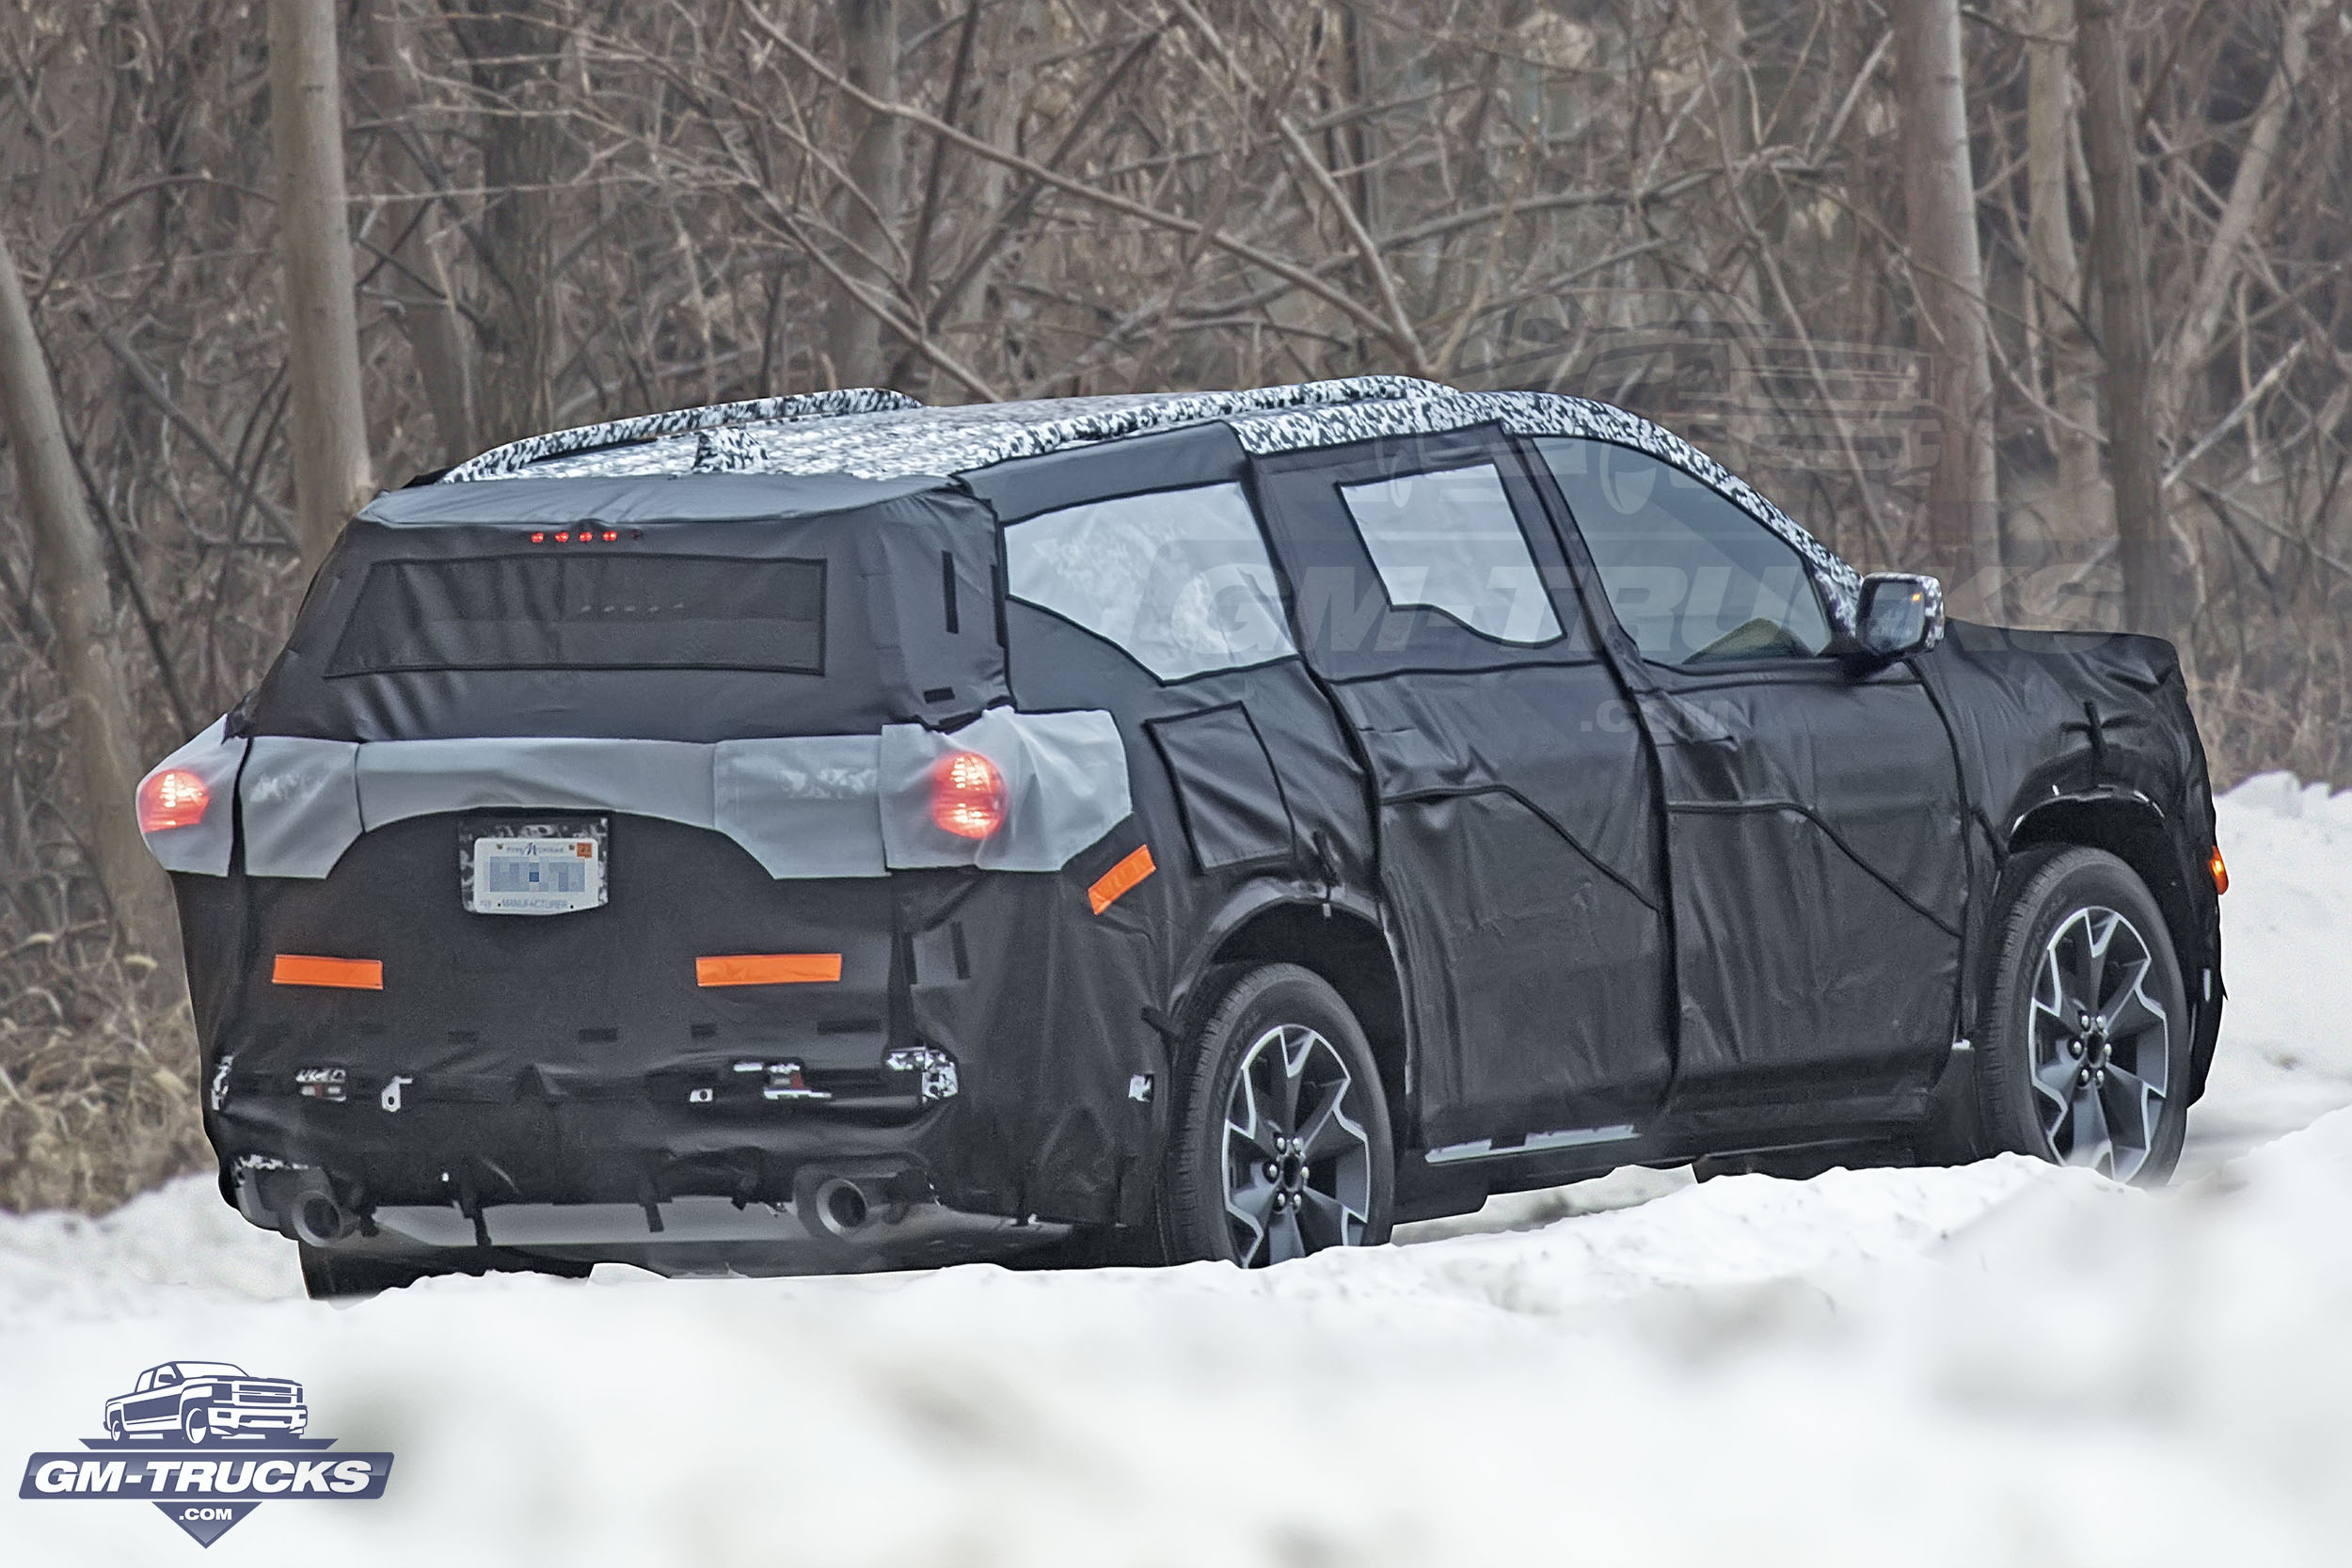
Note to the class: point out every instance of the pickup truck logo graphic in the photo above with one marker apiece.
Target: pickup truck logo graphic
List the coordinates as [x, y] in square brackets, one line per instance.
[203, 1400]
[207, 1442]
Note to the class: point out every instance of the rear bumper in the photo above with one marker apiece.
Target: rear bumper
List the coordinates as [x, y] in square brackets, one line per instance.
[977, 1055]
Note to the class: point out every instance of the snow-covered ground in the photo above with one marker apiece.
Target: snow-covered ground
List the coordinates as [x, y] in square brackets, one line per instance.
[2007, 1364]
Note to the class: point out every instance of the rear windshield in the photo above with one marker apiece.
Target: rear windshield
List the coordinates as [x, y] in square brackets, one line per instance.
[585, 612]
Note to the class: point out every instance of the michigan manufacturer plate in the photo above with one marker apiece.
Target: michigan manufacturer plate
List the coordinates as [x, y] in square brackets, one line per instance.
[532, 868]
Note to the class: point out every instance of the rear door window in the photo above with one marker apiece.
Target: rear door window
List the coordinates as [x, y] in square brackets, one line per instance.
[1178, 579]
[587, 612]
[1448, 539]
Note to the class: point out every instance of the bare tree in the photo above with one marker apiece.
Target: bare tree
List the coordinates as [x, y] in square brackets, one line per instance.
[332, 474]
[427, 309]
[870, 198]
[1948, 273]
[2119, 248]
[71, 573]
[2057, 284]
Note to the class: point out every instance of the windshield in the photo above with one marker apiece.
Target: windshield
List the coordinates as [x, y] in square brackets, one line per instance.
[208, 1368]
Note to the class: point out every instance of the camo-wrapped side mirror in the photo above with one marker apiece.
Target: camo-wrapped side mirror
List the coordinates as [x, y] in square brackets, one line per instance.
[1899, 614]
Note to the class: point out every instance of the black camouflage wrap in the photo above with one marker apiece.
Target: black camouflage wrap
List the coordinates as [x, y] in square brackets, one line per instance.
[1590, 912]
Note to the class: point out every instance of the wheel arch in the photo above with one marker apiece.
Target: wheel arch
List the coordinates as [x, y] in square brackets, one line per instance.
[1341, 942]
[2132, 829]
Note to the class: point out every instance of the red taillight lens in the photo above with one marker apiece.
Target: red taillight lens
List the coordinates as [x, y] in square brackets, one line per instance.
[967, 795]
[174, 798]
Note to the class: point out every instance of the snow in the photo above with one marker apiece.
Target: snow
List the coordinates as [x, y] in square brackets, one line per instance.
[2005, 1364]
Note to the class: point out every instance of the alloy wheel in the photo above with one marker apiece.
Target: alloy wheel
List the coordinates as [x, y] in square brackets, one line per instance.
[1297, 1163]
[2101, 1044]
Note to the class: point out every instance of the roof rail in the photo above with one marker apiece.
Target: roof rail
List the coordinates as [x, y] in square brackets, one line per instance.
[515, 456]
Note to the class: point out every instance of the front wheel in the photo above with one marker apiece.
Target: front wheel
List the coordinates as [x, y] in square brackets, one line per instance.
[2086, 1056]
[194, 1425]
[1282, 1146]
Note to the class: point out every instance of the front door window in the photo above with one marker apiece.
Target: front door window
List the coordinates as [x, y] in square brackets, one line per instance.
[1692, 578]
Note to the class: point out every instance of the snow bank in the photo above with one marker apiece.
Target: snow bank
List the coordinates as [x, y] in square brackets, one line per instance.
[2007, 1364]
[2285, 1057]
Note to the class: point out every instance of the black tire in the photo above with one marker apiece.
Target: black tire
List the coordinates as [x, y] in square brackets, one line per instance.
[1317, 1171]
[2083, 1055]
[329, 1276]
[332, 1274]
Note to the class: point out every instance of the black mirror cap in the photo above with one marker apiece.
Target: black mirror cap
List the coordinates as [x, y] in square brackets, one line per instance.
[1898, 614]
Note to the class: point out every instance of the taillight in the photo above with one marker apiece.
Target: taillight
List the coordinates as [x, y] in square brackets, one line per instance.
[967, 795]
[173, 797]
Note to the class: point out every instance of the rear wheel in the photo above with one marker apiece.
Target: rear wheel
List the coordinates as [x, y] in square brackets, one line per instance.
[2084, 1059]
[1282, 1146]
[329, 1273]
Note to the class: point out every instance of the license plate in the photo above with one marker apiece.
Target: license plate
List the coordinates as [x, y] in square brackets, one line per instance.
[532, 868]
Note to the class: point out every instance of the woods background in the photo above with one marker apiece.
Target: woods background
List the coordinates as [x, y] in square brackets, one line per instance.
[1855, 250]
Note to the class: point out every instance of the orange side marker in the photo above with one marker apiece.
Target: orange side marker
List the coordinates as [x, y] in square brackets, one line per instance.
[2220, 869]
[1113, 884]
[301, 969]
[768, 969]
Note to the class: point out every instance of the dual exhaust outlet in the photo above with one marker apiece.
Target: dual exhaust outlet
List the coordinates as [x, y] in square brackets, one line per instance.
[835, 1207]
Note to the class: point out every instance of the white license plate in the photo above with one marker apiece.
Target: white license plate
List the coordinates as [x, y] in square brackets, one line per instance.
[537, 876]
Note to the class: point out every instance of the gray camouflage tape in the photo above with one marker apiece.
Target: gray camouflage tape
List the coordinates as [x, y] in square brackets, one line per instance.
[805, 806]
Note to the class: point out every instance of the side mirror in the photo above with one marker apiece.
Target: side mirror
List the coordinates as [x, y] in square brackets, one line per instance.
[1900, 615]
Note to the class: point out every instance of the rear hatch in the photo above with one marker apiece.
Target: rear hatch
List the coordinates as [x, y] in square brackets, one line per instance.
[513, 915]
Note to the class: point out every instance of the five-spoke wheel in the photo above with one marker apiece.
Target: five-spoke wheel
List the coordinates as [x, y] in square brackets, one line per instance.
[1298, 1165]
[1282, 1146]
[2101, 1044]
[2086, 1024]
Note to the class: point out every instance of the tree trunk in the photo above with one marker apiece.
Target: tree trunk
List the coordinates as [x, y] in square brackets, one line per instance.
[69, 569]
[428, 315]
[2119, 250]
[2185, 356]
[512, 56]
[332, 477]
[1947, 273]
[870, 48]
[2058, 274]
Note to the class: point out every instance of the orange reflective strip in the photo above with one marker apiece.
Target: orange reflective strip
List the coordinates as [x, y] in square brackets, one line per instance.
[301, 969]
[1113, 884]
[768, 969]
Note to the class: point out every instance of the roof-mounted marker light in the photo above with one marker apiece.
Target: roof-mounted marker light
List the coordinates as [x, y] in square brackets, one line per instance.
[967, 795]
[172, 798]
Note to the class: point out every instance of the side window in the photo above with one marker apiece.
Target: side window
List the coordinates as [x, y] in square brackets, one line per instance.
[1448, 539]
[1179, 579]
[1691, 575]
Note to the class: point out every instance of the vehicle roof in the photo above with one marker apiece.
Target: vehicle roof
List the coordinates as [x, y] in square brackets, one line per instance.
[869, 434]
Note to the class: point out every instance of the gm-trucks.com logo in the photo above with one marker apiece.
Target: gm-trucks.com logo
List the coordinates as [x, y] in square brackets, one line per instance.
[208, 1443]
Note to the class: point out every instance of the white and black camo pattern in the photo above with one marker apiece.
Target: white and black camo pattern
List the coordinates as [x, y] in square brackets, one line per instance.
[907, 440]
[877, 435]
[513, 458]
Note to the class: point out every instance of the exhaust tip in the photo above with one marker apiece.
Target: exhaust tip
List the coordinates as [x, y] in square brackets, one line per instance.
[841, 1206]
[319, 1220]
